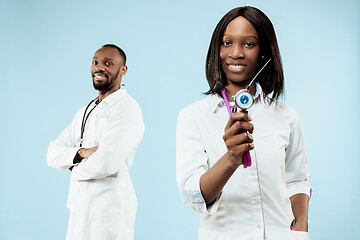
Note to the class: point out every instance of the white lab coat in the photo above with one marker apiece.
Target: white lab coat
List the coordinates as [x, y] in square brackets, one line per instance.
[101, 199]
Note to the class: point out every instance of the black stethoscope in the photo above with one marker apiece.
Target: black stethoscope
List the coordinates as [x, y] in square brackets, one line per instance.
[86, 116]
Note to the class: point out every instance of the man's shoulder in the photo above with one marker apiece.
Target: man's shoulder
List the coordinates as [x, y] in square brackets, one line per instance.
[124, 103]
[126, 99]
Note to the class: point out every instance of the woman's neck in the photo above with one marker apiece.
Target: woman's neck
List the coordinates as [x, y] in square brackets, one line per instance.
[232, 89]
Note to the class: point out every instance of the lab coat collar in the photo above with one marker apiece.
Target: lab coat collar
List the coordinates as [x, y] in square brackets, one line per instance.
[216, 102]
[114, 97]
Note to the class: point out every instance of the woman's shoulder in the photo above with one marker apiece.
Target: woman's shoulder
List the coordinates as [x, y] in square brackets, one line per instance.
[205, 103]
[199, 111]
[284, 111]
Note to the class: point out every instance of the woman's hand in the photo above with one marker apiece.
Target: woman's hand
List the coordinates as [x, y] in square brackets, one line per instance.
[238, 140]
[238, 137]
[300, 206]
[300, 225]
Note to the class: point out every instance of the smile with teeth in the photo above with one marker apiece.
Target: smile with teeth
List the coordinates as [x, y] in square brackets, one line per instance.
[236, 67]
[100, 77]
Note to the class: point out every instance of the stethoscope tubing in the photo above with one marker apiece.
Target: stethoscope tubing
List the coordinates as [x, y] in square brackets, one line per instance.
[246, 155]
[85, 118]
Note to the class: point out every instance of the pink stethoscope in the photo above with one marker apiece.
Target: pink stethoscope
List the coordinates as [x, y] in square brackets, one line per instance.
[243, 100]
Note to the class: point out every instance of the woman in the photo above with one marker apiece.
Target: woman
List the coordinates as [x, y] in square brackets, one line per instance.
[269, 199]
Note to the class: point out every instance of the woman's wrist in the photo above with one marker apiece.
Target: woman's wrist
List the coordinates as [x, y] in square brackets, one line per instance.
[232, 162]
[301, 224]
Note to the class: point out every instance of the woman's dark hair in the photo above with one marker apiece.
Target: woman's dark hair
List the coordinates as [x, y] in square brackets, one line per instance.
[271, 79]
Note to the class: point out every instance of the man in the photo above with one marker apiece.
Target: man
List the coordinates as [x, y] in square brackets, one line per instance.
[98, 147]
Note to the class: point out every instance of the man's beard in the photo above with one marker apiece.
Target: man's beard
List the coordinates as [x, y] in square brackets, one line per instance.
[105, 86]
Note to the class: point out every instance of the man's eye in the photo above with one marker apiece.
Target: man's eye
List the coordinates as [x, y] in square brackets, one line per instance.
[108, 63]
[94, 62]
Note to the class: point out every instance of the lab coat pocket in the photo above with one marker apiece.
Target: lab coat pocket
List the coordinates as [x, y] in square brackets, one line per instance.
[299, 235]
[82, 198]
[286, 234]
[101, 123]
[108, 201]
[112, 229]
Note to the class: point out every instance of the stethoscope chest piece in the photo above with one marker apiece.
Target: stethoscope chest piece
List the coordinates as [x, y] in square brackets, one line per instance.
[244, 99]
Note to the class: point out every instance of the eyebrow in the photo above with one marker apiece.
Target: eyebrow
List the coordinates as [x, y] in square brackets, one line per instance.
[247, 36]
[105, 58]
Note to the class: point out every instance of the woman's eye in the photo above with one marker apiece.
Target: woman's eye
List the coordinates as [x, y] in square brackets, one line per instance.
[227, 43]
[249, 44]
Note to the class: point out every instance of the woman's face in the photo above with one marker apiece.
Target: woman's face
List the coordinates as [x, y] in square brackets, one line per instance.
[239, 52]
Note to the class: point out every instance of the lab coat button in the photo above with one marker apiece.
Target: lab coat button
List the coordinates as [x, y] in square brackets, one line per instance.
[258, 226]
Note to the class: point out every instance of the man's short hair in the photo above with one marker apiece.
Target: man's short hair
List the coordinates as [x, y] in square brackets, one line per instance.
[122, 53]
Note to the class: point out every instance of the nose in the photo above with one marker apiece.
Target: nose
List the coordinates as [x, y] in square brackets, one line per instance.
[236, 51]
[98, 68]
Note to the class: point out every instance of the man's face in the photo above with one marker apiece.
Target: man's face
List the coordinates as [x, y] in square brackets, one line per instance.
[107, 69]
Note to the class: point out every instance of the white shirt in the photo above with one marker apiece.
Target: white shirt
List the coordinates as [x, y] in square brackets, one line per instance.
[101, 200]
[255, 201]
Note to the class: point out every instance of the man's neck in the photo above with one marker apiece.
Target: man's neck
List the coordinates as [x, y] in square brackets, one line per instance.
[103, 94]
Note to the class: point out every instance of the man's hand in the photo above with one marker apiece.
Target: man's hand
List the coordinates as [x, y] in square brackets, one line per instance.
[86, 152]
[83, 153]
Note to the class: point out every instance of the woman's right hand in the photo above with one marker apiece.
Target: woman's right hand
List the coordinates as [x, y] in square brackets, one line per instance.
[238, 140]
[238, 137]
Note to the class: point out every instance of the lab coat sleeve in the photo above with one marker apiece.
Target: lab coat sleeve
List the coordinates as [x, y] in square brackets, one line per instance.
[62, 151]
[191, 163]
[296, 165]
[117, 144]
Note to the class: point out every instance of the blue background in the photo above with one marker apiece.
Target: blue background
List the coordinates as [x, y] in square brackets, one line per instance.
[46, 49]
